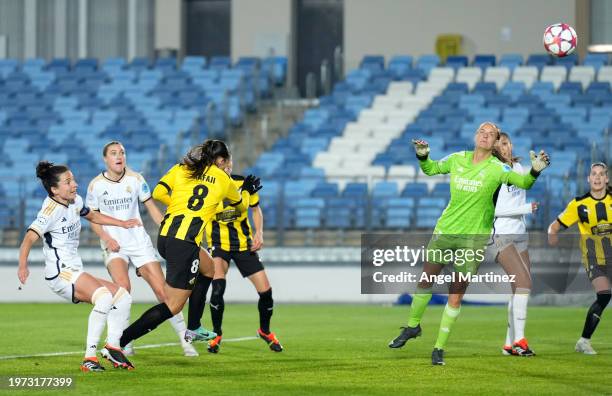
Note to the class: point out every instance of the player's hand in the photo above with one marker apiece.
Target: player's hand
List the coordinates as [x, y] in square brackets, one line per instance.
[251, 184]
[131, 223]
[553, 239]
[539, 162]
[534, 206]
[421, 147]
[112, 245]
[257, 242]
[22, 273]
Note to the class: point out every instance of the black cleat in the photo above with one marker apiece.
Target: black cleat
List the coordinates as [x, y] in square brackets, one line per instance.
[116, 357]
[521, 348]
[91, 365]
[271, 340]
[406, 334]
[214, 345]
[437, 357]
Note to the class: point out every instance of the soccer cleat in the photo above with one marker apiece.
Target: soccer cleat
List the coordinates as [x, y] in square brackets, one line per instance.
[271, 340]
[508, 351]
[116, 357]
[214, 345]
[129, 350]
[188, 349]
[406, 334]
[199, 334]
[520, 348]
[90, 365]
[437, 357]
[584, 346]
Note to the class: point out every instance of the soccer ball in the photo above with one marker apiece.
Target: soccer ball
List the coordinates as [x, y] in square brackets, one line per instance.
[560, 39]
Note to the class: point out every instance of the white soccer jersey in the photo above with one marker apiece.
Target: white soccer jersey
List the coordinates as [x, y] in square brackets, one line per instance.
[120, 199]
[59, 226]
[511, 208]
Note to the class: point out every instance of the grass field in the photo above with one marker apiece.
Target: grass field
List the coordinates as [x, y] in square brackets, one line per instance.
[329, 349]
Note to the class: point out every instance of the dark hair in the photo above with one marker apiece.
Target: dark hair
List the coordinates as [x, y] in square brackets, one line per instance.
[48, 173]
[107, 145]
[200, 158]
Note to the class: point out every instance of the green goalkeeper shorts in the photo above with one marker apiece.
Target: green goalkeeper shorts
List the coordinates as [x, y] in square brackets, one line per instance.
[465, 252]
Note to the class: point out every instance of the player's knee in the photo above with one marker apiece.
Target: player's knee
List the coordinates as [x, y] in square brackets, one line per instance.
[218, 290]
[102, 299]
[265, 299]
[603, 298]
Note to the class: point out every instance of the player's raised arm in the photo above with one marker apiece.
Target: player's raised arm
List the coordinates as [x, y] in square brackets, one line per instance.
[240, 199]
[24, 251]
[163, 189]
[538, 164]
[429, 166]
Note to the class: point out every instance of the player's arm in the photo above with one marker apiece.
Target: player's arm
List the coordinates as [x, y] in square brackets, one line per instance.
[154, 211]
[110, 242]
[258, 240]
[163, 189]
[538, 164]
[429, 166]
[102, 219]
[562, 222]
[516, 211]
[240, 199]
[29, 239]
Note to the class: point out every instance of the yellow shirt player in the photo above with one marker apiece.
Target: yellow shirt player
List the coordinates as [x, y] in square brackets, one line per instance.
[192, 191]
[593, 213]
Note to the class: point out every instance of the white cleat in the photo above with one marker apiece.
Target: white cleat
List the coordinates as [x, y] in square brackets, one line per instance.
[188, 349]
[584, 346]
[129, 350]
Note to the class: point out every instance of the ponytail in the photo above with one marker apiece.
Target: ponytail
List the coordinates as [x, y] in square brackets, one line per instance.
[200, 158]
[48, 173]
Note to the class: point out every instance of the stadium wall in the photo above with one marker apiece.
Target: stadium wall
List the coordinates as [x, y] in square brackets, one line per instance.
[392, 27]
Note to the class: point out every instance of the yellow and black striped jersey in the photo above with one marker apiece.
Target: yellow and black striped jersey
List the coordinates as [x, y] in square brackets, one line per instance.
[193, 202]
[230, 229]
[594, 218]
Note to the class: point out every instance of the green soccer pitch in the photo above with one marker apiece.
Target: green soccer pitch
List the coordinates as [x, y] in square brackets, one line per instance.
[329, 349]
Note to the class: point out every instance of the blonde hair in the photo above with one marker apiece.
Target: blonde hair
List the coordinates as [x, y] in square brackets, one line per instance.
[492, 125]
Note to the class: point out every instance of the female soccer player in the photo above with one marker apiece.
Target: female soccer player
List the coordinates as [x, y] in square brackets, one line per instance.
[465, 224]
[117, 192]
[510, 249]
[59, 224]
[192, 190]
[230, 237]
[593, 213]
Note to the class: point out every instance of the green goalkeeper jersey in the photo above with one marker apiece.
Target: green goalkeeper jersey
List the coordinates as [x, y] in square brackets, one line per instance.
[472, 191]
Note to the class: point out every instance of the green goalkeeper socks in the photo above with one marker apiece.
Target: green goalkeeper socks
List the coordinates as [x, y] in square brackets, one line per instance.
[446, 324]
[420, 299]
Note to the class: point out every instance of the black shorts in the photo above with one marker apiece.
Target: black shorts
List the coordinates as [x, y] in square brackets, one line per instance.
[247, 262]
[595, 271]
[182, 261]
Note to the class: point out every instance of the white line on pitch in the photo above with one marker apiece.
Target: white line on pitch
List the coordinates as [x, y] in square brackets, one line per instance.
[135, 347]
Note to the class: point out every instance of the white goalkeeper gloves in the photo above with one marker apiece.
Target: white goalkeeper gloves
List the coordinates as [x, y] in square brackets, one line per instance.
[421, 147]
[539, 162]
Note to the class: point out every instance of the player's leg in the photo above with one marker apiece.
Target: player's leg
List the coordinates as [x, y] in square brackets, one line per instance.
[420, 300]
[197, 300]
[514, 263]
[601, 285]
[451, 311]
[152, 273]
[104, 296]
[117, 265]
[217, 303]
[182, 268]
[265, 307]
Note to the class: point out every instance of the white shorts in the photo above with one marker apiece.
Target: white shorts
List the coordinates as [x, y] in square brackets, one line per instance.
[63, 284]
[137, 255]
[499, 242]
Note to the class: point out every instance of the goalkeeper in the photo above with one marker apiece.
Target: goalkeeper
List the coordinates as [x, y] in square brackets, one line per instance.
[466, 223]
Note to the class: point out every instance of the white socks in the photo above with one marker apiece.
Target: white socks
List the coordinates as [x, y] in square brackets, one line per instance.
[519, 312]
[510, 331]
[178, 324]
[102, 301]
[517, 316]
[118, 316]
